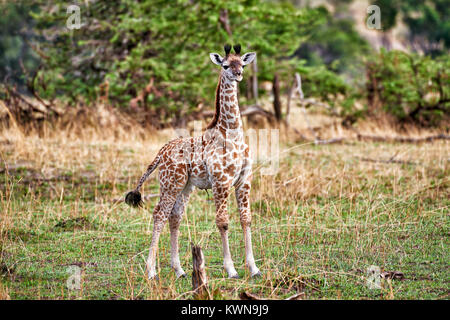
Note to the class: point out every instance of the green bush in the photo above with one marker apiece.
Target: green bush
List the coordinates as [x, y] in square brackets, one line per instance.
[129, 43]
[409, 86]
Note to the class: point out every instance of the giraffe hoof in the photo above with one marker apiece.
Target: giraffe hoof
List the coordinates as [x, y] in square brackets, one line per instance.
[236, 276]
[183, 275]
[257, 275]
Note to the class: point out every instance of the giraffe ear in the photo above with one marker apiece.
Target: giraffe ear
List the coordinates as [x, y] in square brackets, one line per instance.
[248, 57]
[216, 58]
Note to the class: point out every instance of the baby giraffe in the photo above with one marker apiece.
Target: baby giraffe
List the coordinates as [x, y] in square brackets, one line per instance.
[219, 159]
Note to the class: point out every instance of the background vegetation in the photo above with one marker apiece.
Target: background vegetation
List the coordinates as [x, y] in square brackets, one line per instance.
[153, 55]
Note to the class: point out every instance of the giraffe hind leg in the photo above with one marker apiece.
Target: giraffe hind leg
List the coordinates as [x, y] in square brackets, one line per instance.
[160, 216]
[173, 179]
[174, 223]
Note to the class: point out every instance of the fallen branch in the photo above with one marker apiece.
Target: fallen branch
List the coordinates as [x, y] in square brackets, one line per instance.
[388, 161]
[256, 109]
[297, 296]
[403, 139]
[25, 103]
[247, 111]
[382, 139]
[22, 108]
[244, 295]
[329, 141]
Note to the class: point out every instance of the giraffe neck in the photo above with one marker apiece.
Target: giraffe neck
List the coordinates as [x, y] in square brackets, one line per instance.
[230, 115]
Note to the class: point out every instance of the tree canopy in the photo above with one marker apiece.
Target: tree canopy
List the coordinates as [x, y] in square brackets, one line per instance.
[428, 23]
[128, 43]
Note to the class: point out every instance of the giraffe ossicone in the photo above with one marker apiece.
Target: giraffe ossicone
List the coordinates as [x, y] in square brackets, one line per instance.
[219, 159]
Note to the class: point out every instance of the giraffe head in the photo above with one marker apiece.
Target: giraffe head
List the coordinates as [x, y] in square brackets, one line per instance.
[233, 63]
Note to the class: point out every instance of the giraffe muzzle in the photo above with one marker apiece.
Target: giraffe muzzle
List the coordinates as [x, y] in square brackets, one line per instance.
[238, 76]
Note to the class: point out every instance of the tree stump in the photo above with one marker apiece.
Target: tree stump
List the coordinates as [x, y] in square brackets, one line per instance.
[199, 278]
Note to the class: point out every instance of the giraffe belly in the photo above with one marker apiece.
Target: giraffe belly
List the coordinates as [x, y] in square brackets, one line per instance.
[200, 182]
[198, 176]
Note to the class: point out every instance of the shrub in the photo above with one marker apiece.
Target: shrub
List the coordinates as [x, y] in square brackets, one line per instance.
[408, 86]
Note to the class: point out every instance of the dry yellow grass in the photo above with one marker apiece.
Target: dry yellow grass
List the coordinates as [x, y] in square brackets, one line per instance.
[327, 211]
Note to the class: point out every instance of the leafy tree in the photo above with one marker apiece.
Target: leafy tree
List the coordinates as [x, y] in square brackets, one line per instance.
[336, 44]
[409, 86]
[428, 23]
[130, 44]
[16, 56]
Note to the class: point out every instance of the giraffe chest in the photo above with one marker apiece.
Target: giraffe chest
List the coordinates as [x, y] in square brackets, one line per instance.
[219, 164]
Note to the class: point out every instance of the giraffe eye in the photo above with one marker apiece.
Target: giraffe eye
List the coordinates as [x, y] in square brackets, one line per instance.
[226, 67]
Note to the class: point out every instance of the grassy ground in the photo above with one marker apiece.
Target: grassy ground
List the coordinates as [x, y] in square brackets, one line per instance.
[319, 223]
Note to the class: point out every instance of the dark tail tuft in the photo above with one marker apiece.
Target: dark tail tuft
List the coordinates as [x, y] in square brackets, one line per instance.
[134, 199]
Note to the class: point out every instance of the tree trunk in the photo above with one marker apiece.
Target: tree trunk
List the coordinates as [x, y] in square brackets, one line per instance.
[276, 97]
[255, 80]
[373, 92]
[249, 90]
[289, 99]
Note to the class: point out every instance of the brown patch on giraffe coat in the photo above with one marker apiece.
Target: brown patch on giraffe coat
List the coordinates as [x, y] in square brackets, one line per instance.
[230, 169]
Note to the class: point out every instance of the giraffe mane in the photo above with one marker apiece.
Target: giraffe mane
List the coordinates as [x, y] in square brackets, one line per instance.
[213, 122]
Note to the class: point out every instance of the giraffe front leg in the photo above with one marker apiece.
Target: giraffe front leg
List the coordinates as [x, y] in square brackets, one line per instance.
[220, 199]
[243, 200]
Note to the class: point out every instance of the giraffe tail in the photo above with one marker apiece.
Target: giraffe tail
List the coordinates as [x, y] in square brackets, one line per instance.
[134, 198]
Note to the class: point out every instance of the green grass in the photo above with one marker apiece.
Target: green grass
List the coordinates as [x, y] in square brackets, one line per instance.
[319, 240]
